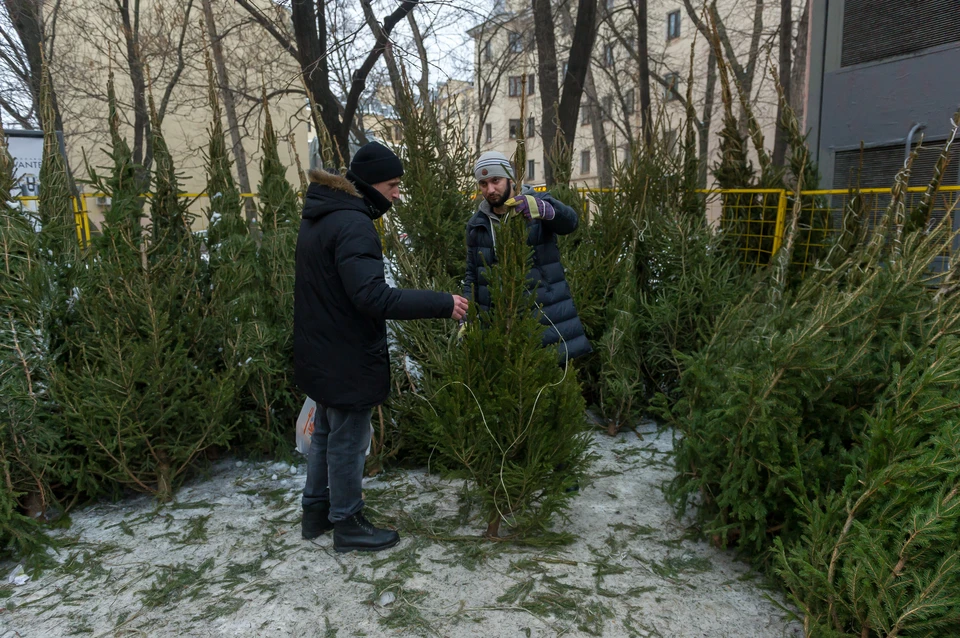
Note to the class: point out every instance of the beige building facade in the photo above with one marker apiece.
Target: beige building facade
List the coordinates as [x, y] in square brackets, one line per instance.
[506, 67]
[90, 44]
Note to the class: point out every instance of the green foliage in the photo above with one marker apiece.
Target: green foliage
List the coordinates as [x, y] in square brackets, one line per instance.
[28, 436]
[56, 220]
[224, 213]
[279, 205]
[169, 218]
[423, 241]
[501, 411]
[133, 388]
[820, 419]
[250, 301]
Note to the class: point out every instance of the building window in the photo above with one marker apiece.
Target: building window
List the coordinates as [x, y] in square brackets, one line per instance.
[608, 55]
[584, 162]
[489, 132]
[530, 84]
[584, 114]
[516, 42]
[607, 107]
[488, 51]
[673, 25]
[516, 129]
[608, 4]
[629, 100]
[486, 94]
[397, 133]
[672, 88]
[515, 85]
[530, 127]
[531, 170]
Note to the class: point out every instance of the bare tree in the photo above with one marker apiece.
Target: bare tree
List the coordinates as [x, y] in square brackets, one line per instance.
[309, 46]
[596, 113]
[562, 110]
[229, 105]
[643, 62]
[494, 64]
[23, 49]
[786, 77]
[799, 70]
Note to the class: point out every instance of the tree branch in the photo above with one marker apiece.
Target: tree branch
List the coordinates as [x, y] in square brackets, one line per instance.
[181, 63]
[271, 28]
[359, 80]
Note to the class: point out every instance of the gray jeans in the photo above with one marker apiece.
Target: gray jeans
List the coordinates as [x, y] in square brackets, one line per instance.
[336, 459]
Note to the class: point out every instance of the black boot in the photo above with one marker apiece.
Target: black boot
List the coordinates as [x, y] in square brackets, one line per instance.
[357, 533]
[315, 520]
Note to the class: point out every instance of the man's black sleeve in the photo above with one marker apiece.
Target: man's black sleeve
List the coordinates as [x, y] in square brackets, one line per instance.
[359, 261]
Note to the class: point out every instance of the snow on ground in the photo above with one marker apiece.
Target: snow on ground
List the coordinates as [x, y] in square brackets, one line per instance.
[227, 560]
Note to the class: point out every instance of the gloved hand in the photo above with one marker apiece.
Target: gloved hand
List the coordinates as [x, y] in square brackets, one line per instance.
[531, 207]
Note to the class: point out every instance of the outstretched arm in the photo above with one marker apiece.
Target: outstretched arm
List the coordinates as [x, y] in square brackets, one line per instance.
[360, 266]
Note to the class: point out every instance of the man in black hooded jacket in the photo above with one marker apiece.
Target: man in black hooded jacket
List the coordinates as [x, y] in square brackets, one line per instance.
[341, 360]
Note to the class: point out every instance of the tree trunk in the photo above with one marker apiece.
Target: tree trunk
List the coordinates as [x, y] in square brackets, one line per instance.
[643, 56]
[581, 48]
[786, 75]
[396, 80]
[229, 105]
[142, 145]
[599, 133]
[597, 128]
[549, 86]
[27, 19]
[798, 96]
[423, 84]
[705, 119]
[562, 110]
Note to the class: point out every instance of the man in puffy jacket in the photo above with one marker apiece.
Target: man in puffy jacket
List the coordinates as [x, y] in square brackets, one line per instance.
[341, 360]
[546, 218]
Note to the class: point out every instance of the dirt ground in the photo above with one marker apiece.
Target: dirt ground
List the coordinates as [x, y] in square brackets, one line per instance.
[227, 560]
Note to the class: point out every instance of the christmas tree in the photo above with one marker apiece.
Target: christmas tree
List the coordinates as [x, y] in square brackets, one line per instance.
[133, 387]
[423, 246]
[504, 413]
[29, 437]
[817, 428]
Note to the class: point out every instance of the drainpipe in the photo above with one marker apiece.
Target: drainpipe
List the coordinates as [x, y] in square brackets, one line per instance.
[913, 131]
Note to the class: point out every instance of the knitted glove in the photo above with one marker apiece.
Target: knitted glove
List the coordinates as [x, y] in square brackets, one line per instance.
[531, 207]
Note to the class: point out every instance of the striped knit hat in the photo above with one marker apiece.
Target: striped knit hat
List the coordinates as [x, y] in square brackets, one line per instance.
[492, 164]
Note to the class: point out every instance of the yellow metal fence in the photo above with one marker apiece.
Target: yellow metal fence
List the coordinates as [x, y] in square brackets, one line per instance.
[756, 219]
[82, 209]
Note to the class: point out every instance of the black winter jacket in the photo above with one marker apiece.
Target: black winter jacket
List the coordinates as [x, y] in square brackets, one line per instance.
[553, 292]
[342, 302]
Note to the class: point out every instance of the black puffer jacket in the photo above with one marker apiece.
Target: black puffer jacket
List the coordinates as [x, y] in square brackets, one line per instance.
[342, 302]
[553, 292]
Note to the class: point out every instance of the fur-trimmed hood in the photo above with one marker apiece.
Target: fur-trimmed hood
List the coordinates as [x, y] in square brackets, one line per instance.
[333, 181]
[331, 192]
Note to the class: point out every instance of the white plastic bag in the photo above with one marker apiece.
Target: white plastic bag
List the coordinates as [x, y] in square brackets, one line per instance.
[305, 425]
[308, 415]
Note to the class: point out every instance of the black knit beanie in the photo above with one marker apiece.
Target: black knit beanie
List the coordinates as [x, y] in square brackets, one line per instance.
[374, 163]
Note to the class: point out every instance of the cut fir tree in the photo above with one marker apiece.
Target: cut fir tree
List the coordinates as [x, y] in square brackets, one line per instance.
[506, 413]
[134, 390]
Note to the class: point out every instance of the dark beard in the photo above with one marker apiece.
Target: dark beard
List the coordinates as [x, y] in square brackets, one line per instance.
[501, 199]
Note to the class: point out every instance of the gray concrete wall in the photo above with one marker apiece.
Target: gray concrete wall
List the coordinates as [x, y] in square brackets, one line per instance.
[877, 102]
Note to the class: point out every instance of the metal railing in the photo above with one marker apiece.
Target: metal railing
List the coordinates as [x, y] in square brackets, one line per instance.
[757, 218]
